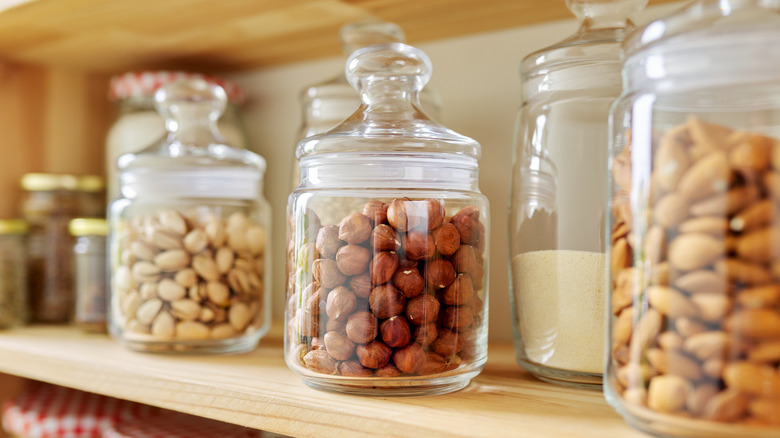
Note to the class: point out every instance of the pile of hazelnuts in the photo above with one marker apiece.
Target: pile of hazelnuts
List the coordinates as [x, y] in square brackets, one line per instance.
[392, 290]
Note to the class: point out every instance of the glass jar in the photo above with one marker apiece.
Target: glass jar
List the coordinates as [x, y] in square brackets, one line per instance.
[138, 125]
[13, 273]
[695, 285]
[326, 104]
[188, 237]
[90, 273]
[389, 297]
[91, 192]
[558, 198]
[50, 201]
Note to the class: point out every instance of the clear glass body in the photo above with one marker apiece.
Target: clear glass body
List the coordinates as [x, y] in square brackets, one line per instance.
[326, 104]
[387, 285]
[188, 247]
[90, 281]
[558, 197]
[138, 125]
[48, 213]
[13, 280]
[694, 303]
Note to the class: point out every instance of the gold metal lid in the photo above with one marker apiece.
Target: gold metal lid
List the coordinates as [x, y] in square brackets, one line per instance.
[44, 182]
[13, 226]
[88, 227]
[91, 183]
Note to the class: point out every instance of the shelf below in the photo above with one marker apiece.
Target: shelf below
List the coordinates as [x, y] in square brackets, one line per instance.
[112, 36]
[258, 390]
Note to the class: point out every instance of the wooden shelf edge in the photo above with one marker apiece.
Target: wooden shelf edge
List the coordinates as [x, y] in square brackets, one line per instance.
[258, 390]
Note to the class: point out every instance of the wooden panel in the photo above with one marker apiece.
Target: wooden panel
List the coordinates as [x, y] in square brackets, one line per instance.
[10, 386]
[117, 35]
[52, 120]
[258, 390]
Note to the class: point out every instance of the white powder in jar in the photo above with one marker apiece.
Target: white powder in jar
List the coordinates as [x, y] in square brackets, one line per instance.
[560, 306]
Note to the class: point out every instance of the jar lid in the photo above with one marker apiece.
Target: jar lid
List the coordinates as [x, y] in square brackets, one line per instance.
[193, 159]
[48, 411]
[390, 120]
[146, 83]
[91, 183]
[13, 226]
[177, 425]
[45, 182]
[88, 227]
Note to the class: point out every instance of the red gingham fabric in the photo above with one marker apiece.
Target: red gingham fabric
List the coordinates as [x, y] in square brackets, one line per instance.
[48, 411]
[145, 83]
[176, 425]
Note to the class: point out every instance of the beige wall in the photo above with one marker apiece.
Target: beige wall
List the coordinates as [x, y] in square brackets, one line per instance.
[477, 78]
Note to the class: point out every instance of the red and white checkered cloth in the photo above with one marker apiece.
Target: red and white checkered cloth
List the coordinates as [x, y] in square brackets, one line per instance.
[48, 411]
[176, 425]
[145, 83]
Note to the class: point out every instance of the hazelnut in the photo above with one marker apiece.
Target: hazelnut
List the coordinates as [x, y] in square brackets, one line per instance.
[409, 281]
[338, 345]
[307, 253]
[292, 303]
[447, 343]
[405, 263]
[386, 301]
[434, 364]
[326, 272]
[425, 334]
[418, 245]
[354, 228]
[383, 266]
[320, 361]
[376, 211]
[340, 303]
[409, 359]
[446, 239]
[465, 260]
[361, 285]
[374, 354]
[422, 309]
[352, 259]
[328, 241]
[314, 299]
[297, 353]
[459, 292]
[479, 245]
[466, 221]
[395, 332]
[362, 327]
[385, 238]
[397, 216]
[388, 370]
[353, 368]
[456, 317]
[313, 223]
[439, 273]
[317, 343]
[335, 326]
[434, 212]
[305, 324]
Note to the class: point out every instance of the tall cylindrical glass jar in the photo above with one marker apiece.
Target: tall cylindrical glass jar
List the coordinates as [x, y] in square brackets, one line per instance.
[13, 273]
[90, 273]
[188, 237]
[390, 296]
[558, 196]
[695, 230]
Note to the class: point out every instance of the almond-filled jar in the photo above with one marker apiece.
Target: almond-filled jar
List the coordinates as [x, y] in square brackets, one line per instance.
[695, 228]
[188, 240]
[389, 298]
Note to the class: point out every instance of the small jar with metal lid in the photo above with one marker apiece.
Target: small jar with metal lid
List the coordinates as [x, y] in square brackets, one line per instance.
[91, 193]
[13, 273]
[387, 293]
[50, 201]
[188, 249]
[138, 125]
[90, 273]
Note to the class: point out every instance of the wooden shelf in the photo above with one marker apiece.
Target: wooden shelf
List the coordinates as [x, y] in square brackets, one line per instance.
[258, 390]
[117, 35]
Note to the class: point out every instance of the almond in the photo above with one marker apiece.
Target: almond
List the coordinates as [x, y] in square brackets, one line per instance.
[671, 210]
[708, 176]
[702, 281]
[759, 246]
[670, 302]
[692, 251]
[725, 204]
[714, 225]
[753, 379]
[756, 215]
[755, 323]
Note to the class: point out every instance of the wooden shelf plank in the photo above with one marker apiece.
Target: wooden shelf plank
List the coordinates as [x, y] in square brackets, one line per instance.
[258, 390]
[116, 35]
